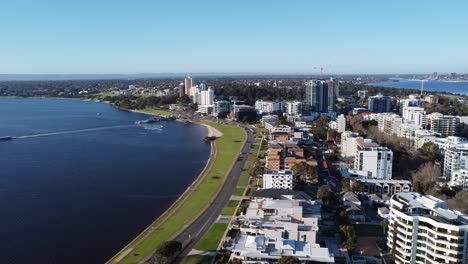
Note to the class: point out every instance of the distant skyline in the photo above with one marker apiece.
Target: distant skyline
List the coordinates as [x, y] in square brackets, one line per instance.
[282, 37]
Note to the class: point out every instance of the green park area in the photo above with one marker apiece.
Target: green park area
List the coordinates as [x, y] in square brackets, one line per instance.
[155, 111]
[211, 239]
[193, 203]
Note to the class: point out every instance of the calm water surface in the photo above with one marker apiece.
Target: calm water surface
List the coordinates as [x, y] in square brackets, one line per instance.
[433, 86]
[82, 179]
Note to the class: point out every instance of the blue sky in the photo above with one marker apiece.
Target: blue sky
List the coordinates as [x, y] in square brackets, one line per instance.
[143, 36]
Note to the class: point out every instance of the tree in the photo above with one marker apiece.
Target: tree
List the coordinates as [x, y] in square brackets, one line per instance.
[431, 151]
[304, 171]
[349, 237]
[319, 127]
[384, 225]
[327, 196]
[426, 176]
[166, 252]
[256, 169]
[459, 202]
[185, 99]
[289, 260]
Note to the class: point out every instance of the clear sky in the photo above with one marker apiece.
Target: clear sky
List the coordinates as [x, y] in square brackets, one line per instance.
[151, 36]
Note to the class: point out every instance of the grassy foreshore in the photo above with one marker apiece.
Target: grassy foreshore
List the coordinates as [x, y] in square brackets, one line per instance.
[193, 202]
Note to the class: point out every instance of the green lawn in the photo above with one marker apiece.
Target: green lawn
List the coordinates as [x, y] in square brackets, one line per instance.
[230, 208]
[244, 179]
[228, 147]
[197, 259]
[239, 191]
[211, 239]
[155, 111]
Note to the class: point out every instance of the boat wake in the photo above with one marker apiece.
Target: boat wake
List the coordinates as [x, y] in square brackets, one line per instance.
[150, 126]
[75, 131]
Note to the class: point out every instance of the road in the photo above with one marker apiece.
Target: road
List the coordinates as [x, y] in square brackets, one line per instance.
[194, 232]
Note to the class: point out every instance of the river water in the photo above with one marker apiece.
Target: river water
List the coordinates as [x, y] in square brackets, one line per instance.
[80, 179]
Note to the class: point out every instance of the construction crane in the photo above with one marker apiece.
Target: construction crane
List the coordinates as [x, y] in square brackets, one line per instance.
[321, 70]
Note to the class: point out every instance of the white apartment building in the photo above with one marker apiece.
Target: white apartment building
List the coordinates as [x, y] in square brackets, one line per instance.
[413, 100]
[207, 97]
[417, 135]
[205, 109]
[284, 226]
[295, 108]
[459, 178]
[282, 179]
[188, 85]
[386, 122]
[339, 124]
[391, 124]
[455, 158]
[407, 130]
[374, 159]
[267, 107]
[422, 136]
[415, 115]
[445, 143]
[443, 124]
[348, 144]
[423, 230]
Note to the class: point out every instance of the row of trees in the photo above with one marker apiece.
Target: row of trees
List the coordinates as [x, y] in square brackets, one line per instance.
[140, 102]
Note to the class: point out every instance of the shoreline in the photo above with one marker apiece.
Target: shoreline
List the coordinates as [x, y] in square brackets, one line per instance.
[126, 250]
[190, 205]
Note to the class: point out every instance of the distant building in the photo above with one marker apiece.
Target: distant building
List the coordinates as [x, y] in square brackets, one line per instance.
[459, 178]
[413, 100]
[320, 96]
[188, 85]
[379, 103]
[431, 99]
[270, 121]
[445, 125]
[374, 159]
[221, 108]
[279, 179]
[348, 144]
[362, 93]
[388, 187]
[339, 124]
[295, 108]
[455, 158]
[243, 113]
[267, 107]
[415, 115]
[359, 110]
[207, 97]
[391, 124]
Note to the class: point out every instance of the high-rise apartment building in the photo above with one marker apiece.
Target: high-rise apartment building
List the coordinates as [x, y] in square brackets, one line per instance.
[415, 115]
[379, 103]
[295, 108]
[445, 125]
[188, 85]
[320, 96]
[423, 230]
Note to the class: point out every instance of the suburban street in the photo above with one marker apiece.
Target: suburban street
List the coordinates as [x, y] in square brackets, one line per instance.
[194, 232]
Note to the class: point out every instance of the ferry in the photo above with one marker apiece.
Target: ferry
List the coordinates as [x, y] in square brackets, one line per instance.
[6, 138]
